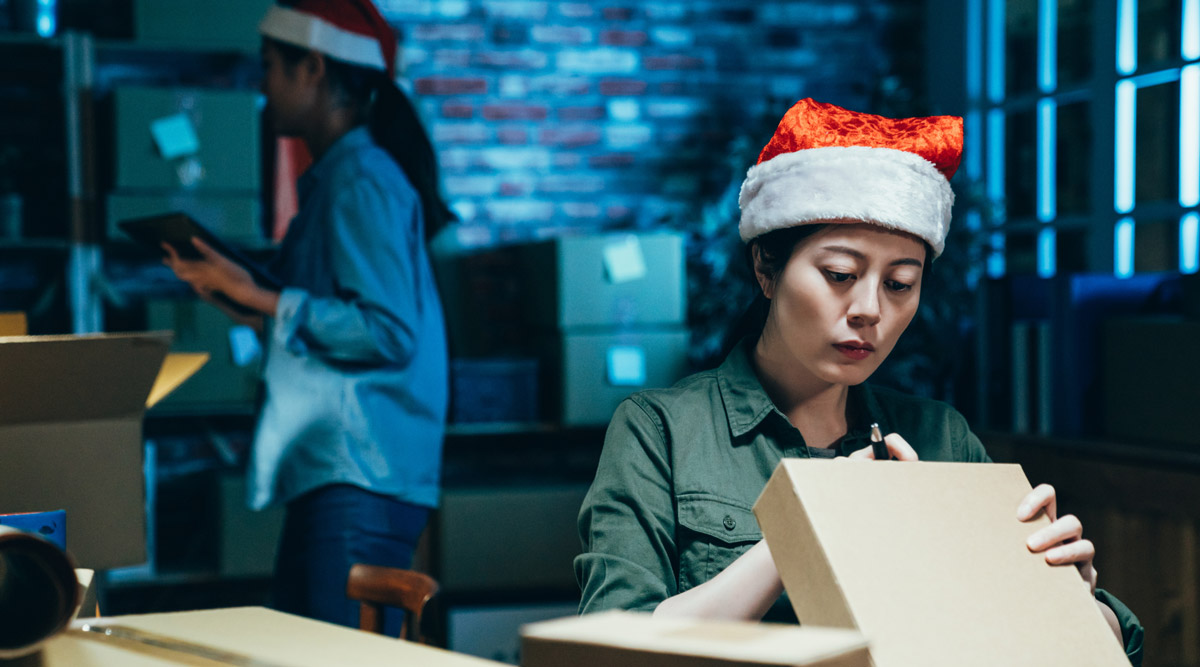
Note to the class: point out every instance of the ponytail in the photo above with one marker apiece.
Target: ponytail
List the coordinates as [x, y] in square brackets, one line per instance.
[395, 126]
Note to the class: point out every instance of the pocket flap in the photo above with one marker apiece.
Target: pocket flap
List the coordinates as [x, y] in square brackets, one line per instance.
[717, 517]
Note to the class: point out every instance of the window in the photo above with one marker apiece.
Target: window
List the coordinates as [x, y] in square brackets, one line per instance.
[1084, 129]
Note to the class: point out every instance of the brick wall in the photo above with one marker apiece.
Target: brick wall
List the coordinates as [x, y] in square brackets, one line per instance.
[550, 114]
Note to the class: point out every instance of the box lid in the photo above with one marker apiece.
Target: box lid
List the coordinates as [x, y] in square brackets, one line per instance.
[77, 378]
[929, 561]
[738, 643]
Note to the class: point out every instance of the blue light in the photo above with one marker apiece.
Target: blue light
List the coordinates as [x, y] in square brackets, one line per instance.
[1189, 243]
[995, 46]
[1048, 45]
[1047, 167]
[1126, 36]
[995, 156]
[973, 132]
[974, 220]
[1047, 258]
[974, 49]
[995, 261]
[47, 24]
[1125, 141]
[1190, 47]
[1189, 136]
[1123, 249]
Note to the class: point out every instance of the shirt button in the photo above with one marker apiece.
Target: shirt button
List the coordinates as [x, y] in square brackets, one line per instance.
[730, 524]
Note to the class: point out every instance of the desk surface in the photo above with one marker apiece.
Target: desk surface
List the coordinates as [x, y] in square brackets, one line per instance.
[250, 636]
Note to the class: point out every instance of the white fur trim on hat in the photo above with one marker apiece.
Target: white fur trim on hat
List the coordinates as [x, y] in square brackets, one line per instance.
[884, 186]
[309, 31]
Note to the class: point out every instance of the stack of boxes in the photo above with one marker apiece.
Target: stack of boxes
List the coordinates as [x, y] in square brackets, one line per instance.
[610, 312]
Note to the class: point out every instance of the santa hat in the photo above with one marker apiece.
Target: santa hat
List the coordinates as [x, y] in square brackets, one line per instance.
[828, 164]
[352, 31]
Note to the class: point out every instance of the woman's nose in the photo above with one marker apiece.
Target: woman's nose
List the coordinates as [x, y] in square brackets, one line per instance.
[864, 306]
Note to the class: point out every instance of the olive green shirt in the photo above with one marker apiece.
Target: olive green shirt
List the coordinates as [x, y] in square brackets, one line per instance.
[671, 505]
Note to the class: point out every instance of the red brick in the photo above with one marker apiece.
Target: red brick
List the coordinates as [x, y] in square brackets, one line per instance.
[619, 212]
[457, 110]
[624, 37]
[581, 113]
[618, 13]
[671, 88]
[514, 112]
[512, 136]
[571, 137]
[447, 85]
[513, 189]
[447, 32]
[606, 160]
[674, 62]
[622, 87]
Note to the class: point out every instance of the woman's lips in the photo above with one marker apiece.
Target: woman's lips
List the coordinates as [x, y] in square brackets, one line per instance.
[855, 351]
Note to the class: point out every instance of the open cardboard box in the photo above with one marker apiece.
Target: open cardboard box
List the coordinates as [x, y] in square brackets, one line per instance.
[236, 636]
[929, 562]
[71, 433]
[620, 638]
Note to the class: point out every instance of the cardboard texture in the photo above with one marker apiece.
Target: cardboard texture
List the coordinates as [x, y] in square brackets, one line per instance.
[929, 561]
[13, 324]
[621, 638]
[260, 636]
[71, 435]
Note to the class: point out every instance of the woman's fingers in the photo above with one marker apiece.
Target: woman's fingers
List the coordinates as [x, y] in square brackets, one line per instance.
[1042, 497]
[1066, 529]
[1080, 551]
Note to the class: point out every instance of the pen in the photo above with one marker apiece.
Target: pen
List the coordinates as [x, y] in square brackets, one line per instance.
[877, 445]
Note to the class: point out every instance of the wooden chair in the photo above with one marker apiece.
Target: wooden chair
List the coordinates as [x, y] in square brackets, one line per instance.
[377, 587]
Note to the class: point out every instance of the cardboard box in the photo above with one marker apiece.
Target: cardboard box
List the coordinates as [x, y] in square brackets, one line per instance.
[1149, 376]
[237, 636]
[71, 433]
[610, 280]
[187, 139]
[929, 562]
[13, 324]
[216, 24]
[587, 374]
[619, 638]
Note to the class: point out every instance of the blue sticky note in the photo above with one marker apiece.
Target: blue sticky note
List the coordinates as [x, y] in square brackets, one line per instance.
[244, 345]
[626, 366]
[175, 136]
[51, 525]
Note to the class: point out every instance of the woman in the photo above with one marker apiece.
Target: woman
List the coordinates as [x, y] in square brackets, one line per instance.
[355, 372]
[843, 215]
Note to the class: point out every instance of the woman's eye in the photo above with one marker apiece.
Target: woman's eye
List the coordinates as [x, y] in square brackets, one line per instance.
[836, 277]
[897, 286]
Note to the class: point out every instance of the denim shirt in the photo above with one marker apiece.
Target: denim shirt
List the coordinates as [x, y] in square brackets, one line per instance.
[672, 502]
[356, 369]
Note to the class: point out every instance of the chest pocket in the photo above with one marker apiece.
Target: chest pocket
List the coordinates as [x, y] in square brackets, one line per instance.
[713, 533]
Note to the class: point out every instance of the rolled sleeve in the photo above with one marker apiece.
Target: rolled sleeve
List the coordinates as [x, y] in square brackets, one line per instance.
[370, 319]
[1131, 628]
[627, 520]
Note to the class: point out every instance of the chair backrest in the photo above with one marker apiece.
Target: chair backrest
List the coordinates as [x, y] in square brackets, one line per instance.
[377, 587]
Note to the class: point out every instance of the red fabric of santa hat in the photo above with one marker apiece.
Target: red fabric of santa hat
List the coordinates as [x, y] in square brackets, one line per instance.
[352, 31]
[828, 164]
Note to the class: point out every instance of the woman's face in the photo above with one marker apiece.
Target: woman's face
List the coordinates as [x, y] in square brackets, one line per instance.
[844, 297]
[288, 96]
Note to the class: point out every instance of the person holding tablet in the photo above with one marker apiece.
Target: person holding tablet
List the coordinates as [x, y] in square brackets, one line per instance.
[355, 374]
[843, 216]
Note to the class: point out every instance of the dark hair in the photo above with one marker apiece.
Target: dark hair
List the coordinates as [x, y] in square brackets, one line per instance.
[775, 248]
[393, 123]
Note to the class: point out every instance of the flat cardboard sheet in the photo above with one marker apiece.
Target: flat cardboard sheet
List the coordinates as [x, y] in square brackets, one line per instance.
[621, 638]
[929, 561]
[263, 636]
[177, 367]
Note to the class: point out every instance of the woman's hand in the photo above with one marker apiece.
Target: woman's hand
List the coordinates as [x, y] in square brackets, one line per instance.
[1062, 541]
[215, 273]
[897, 446]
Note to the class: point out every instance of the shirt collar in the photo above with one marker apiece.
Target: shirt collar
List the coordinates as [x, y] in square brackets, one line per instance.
[349, 142]
[747, 403]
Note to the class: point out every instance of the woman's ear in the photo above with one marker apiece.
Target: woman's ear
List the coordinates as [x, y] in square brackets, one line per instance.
[766, 281]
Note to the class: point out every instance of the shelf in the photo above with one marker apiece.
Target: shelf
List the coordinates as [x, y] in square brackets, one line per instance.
[34, 244]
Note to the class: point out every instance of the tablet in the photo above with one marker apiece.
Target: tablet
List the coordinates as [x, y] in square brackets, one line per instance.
[178, 229]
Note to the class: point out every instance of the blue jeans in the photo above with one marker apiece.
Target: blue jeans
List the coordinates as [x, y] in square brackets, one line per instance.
[331, 528]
